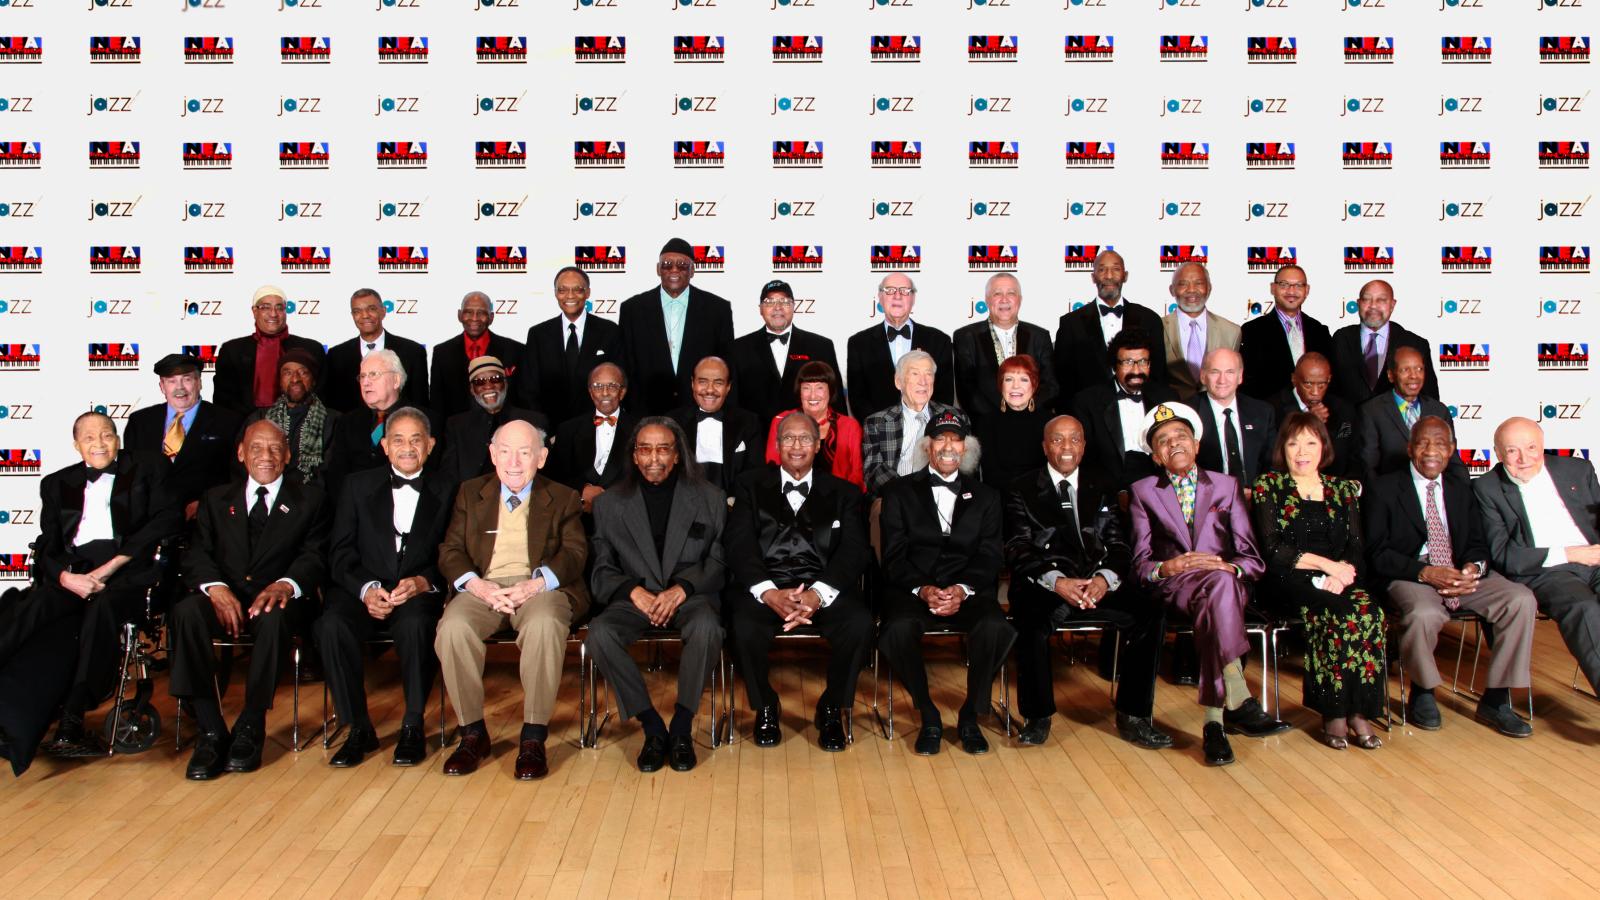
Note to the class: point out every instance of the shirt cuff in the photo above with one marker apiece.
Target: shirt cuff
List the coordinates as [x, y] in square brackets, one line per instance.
[206, 588]
[1317, 581]
[364, 588]
[762, 588]
[968, 589]
[1048, 579]
[1112, 581]
[827, 593]
[460, 584]
[551, 582]
[1555, 556]
[291, 583]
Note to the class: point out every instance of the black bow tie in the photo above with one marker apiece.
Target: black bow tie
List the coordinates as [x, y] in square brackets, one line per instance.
[903, 331]
[701, 415]
[951, 486]
[1110, 310]
[780, 338]
[94, 474]
[798, 486]
[1124, 395]
[399, 481]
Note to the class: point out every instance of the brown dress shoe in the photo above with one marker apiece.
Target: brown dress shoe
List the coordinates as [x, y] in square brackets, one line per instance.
[472, 750]
[531, 762]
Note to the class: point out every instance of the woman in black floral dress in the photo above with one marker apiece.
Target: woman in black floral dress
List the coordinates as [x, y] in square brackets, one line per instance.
[1309, 528]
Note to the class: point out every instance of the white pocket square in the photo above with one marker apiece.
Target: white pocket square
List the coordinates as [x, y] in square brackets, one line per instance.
[740, 448]
[835, 523]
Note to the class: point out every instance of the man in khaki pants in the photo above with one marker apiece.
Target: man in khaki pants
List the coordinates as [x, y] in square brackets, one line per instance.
[513, 555]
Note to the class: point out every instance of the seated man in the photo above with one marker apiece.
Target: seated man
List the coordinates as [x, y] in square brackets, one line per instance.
[258, 554]
[196, 439]
[1068, 551]
[892, 437]
[1194, 548]
[1387, 419]
[467, 434]
[1426, 545]
[658, 563]
[724, 439]
[1539, 515]
[386, 534]
[797, 545]
[583, 444]
[513, 556]
[356, 439]
[941, 568]
[301, 413]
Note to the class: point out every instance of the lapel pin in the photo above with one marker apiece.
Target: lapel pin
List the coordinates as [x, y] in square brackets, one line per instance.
[966, 496]
[282, 508]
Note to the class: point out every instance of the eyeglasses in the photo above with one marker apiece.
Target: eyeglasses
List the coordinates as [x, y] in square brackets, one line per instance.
[269, 307]
[572, 292]
[675, 265]
[782, 301]
[1296, 285]
[495, 380]
[897, 291]
[605, 386]
[373, 376]
[797, 440]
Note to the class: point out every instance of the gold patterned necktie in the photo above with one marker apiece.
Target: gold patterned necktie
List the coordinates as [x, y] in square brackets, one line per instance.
[172, 442]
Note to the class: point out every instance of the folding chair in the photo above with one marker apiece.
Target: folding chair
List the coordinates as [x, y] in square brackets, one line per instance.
[728, 727]
[332, 727]
[653, 638]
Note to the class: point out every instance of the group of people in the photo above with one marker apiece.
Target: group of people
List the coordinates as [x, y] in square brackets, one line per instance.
[1139, 472]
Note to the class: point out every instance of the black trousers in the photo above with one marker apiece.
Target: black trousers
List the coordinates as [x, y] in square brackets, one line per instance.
[99, 640]
[1037, 613]
[342, 632]
[845, 623]
[906, 618]
[1570, 595]
[192, 627]
[619, 624]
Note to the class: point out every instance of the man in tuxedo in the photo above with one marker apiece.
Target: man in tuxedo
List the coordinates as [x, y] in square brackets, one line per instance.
[1083, 336]
[1113, 414]
[1308, 392]
[1273, 344]
[339, 390]
[448, 393]
[1425, 542]
[467, 434]
[513, 557]
[797, 546]
[259, 553]
[1363, 352]
[386, 534]
[195, 438]
[585, 445]
[658, 563]
[1195, 552]
[892, 438]
[1191, 331]
[1068, 552]
[1240, 430]
[247, 367]
[982, 346]
[358, 435]
[561, 350]
[726, 440]
[1540, 520]
[301, 414]
[668, 329]
[1387, 419]
[767, 361]
[874, 353]
[941, 568]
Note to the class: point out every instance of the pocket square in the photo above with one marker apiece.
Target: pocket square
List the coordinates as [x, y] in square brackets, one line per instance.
[835, 524]
[697, 530]
[740, 448]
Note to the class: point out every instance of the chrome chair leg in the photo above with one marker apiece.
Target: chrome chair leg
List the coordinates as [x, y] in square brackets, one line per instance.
[130, 640]
[294, 731]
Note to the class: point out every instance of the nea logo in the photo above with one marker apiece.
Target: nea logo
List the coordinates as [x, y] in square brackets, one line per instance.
[797, 154]
[1563, 154]
[1267, 260]
[1273, 157]
[600, 154]
[1464, 357]
[113, 357]
[1080, 257]
[1465, 259]
[895, 48]
[1564, 49]
[992, 48]
[896, 257]
[19, 357]
[993, 154]
[20, 462]
[113, 154]
[1184, 47]
[1564, 260]
[502, 48]
[708, 258]
[206, 353]
[697, 48]
[113, 49]
[1367, 155]
[1091, 155]
[1271, 50]
[500, 155]
[797, 258]
[14, 567]
[115, 259]
[21, 259]
[1369, 50]
[991, 257]
[402, 259]
[1185, 155]
[207, 155]
[1563, 357]
[306, 50]
[599, 48]
[302, 155]
[1477, 461]
[208, 260]
[698, 154]
[20, 155]
[501, 259]
[1175, 255]
[19, 49]
[1463, 154]
[1090, 48]
[1365, 259]
[402, 49]
[797, 48]
[305, 260]
[208, 50]
[896, 154]
[1461, 49]
[600, 258]
[402, 154]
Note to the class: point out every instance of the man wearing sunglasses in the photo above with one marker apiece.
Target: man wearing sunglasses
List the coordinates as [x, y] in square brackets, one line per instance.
[668, 329]
[467, 434]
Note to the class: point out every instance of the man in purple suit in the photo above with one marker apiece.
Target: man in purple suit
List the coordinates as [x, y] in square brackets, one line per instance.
[1194, 549]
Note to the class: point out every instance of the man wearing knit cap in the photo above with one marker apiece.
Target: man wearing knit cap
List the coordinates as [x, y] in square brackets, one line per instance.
[300, 412]
[194, 437]
[247, 367]
[467, 433]
[339, 389]
[668, 329]
[358, 437]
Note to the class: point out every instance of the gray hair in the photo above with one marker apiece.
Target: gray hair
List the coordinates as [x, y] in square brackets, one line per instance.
[989, 282]
[391, 360]
[411, 412]
[913, 356]
[901, 274]
[971, 454]
[470, 294]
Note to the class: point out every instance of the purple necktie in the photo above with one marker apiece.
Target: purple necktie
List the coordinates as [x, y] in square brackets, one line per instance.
[1373, 362]
[1438, 538]
[1196, 353]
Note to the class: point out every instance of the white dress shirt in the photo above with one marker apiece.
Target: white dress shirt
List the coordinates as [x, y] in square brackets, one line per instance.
[604, 437]
[708, 440]
[405, 514]
[1006, 338]
[780, 349]
[271, 500]
[1420, 484]
[825, 593]
[911, 429]
[1217, 422]
[95, 525]
[1130, 412]
[366, 346]
[1110, 326]
[1549, 520]
[899, 346]
[945, 501]
[567, 325]
[1048, 579]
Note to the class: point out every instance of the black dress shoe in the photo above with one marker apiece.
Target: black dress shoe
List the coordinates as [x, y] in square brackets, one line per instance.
[830, 729]
[71, 741]
[1251, 720]
[357, 744]
[767, 733]
[972, 739]
[244, 751]
[1215, 743]
[1143, 732]
[411, 747]
[532, 763]
[1503, 720]
[680, 752]
[929, 740]
[653, 754]
[1423, 711]
[1034, 732]
[210, 756]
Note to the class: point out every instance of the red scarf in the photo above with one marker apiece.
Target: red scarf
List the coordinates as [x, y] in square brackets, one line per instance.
[476, 348]
[269, 347]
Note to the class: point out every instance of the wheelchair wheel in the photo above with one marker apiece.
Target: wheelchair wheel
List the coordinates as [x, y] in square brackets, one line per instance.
[138, 728]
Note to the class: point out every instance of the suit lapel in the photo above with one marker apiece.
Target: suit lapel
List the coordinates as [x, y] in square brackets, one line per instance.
[637, 518]
[1395, 421]
[381, 507]
[1112, 417]
[539, 520]
[70, 499]
[1513, 495]
[197, 429]
[679, 520]
[284, 507]
[121, 501]
[480, 541]
[769, 497]
[1412, 504]
[1168, 498]
[1203, 492]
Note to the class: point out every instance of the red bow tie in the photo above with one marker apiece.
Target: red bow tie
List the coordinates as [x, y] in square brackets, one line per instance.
[608, 420]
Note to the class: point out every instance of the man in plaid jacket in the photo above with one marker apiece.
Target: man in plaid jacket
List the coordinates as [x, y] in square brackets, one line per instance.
[886, 451]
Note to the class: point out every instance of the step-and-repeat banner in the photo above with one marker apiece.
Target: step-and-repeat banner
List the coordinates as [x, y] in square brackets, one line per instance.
[160, 159]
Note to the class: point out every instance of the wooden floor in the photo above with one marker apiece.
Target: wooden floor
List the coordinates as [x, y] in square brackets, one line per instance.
[1460, 812]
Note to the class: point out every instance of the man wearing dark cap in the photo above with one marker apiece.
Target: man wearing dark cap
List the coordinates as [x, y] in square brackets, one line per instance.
[561, 350]
[467, 434]
[448, 393]
[339, 389]
[247, 367]
[668, 329]
[767, 361]
[195, 437]
[301, 414]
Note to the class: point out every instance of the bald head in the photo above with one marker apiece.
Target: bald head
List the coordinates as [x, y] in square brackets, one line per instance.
[518, 452]
[1312, 375]
[1064, 444]
[1519, 443]
[1221, 373]
[1375, 303]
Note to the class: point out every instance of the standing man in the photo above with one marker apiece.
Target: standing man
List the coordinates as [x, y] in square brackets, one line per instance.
[767, 361]
[339, 389]
[1388, 419]
[301, 414]
[1273, 344]
[1083, 336]
[467, 434]
[658, 563]
[1240, 431]
[1112, 415]
[1363, 352]
[874, 353]
[726, 440]
[448, 377]
[585, 445]
[196, 438]
[981, 347]
[1308, 392]
[562, 350]
[247, 367]
[1191, 331]
[358, 436]
[668, 329]
[893, 436]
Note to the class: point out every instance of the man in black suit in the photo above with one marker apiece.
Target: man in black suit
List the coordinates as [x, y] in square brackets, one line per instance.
[658, 562]
[668, 329]
[1387, 419]
[1067, 548]
[941, 568]
[1239, 430]
[467, 434]
[1112, 414]
[584, 453]
[301, 414]
[1083, 336]
[358, 434]
[1273, 344]
[1308, 392]
[1363, 352]
[338, 387]
[981, 347]
[561, 350]
[258, 555]
[767, 361]
[797, 545]
[196, 438]
[725, 440]
[873, 354]
[247, 367]
[385, 578]
[1540, 518]
[447, 378]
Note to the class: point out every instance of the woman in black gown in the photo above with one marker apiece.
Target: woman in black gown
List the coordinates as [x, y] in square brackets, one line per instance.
[1013, 438]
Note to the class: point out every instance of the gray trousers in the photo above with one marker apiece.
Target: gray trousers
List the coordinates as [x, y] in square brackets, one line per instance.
[620, 623]
[1570, 595]
[1506, 605]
